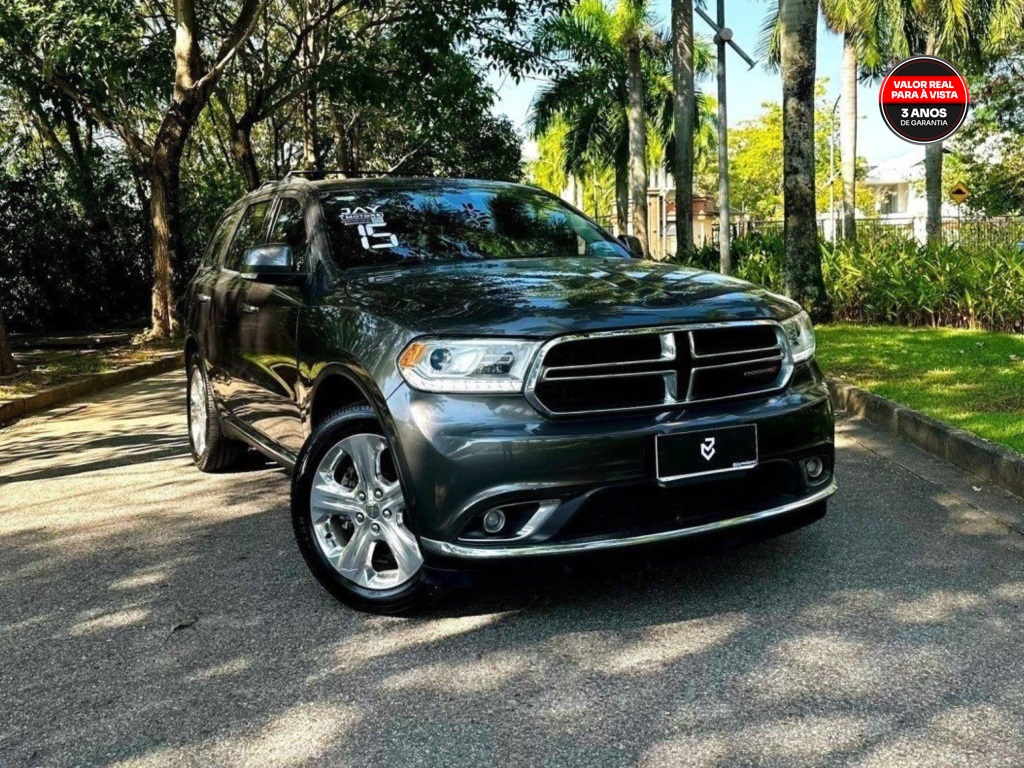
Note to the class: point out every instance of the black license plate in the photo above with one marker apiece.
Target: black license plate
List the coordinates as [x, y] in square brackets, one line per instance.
[705, 452]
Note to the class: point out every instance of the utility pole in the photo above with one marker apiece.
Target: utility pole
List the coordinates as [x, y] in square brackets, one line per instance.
[723, 37]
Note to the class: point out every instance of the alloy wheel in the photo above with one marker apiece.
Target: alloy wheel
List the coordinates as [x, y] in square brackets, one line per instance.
[198, 412]
[358, 511]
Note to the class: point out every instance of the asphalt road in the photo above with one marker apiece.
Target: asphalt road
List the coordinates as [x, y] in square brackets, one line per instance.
[154, 616]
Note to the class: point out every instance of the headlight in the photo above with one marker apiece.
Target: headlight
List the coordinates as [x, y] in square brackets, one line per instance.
[800, 335]
[467, 365]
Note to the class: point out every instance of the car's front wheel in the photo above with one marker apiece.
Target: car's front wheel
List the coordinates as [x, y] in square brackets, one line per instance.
[350, 517]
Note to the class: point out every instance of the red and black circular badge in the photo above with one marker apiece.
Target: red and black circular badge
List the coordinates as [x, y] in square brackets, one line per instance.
[924, 99]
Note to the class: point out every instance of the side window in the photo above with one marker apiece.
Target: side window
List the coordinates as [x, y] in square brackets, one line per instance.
[290, 228]
[251, 231]
[219, 242]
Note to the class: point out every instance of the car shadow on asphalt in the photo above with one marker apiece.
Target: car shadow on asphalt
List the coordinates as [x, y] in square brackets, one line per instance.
[196, 634]
[168, 618]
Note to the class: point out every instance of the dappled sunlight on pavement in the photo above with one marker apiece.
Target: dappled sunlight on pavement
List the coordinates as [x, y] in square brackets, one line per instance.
[151, 615]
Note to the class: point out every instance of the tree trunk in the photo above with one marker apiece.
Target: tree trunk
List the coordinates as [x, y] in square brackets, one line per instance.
[140, 176]
[933, 192]
[802, 263]
[241, 148]
[622, 199]
[637, 146]
[933, 174]
[166, 226]
[340, 138]
[848, 137]
[684, 107]
[310, 148]
[6, 358]
[164, 206]
[354, 147]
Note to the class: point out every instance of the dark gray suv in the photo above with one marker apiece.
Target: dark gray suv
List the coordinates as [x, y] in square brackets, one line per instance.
[462, 373]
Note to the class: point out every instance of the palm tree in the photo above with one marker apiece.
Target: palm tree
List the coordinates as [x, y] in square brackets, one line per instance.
[684, 108]
[860, 22]
[634, 33]
[615, 89]
[802, 265]
[969, 33]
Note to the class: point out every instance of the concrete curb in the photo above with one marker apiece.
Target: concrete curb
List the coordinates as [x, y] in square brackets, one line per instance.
[54, 396]
[994, 463]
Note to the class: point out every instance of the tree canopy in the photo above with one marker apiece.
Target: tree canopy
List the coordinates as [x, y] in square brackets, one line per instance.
[128, 125]
[990, 149]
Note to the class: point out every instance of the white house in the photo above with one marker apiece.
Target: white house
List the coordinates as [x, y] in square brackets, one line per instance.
[898, 185]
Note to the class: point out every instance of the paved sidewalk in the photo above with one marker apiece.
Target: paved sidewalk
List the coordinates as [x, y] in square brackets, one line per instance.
[153, 616]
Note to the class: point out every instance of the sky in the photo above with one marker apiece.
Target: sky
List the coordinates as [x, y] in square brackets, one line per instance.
[747, 89]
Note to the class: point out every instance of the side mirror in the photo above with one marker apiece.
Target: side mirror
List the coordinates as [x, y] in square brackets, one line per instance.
[270, 263]
[633, 244]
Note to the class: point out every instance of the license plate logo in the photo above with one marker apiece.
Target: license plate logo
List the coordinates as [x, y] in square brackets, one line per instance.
[707, 448]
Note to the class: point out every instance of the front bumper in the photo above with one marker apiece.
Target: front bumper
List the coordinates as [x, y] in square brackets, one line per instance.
[461, 456]
[450, 549]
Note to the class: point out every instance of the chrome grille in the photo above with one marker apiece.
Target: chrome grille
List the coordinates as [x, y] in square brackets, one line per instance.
[658, 368]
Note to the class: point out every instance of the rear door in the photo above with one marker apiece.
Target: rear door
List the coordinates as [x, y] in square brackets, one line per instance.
[268, 319]
[225, 355]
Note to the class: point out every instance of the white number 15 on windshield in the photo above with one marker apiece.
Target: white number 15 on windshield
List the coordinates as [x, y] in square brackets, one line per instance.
[380, 239]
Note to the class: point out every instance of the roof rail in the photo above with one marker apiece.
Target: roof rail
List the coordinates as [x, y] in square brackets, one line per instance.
[318, 174]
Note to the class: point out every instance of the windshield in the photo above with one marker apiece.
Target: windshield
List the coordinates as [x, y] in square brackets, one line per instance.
[370, 227]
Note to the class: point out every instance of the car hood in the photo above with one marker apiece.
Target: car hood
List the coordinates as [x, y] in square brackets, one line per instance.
[547, 297]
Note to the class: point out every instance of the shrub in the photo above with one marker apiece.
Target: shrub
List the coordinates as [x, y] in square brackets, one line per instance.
[71, 258]
[901, 282]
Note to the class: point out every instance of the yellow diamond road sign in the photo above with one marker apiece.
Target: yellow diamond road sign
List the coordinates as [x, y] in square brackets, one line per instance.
[959, 192]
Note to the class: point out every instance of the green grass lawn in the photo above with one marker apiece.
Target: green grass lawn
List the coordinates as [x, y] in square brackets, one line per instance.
[972, 379]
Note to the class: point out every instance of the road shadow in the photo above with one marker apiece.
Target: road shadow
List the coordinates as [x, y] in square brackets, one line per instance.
[93, 435]
[167, 617]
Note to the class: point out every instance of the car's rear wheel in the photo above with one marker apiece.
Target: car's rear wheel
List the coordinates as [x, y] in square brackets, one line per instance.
[212, 451]
[350, 517]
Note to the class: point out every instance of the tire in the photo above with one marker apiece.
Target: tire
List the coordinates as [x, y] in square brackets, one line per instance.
[211, 450]
[358, 549]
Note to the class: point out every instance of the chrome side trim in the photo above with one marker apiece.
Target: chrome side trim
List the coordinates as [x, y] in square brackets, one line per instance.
[241, 431]
[492, 553]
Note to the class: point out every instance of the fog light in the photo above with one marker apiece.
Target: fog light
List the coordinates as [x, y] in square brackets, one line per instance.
[814, 467]
[494, 521]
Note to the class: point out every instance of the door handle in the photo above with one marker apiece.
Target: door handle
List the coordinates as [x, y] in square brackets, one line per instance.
[203, 298]
[249, 309]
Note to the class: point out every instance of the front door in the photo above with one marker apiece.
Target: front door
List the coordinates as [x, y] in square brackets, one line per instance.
[267, 322]
[225, 356]
[207, 316]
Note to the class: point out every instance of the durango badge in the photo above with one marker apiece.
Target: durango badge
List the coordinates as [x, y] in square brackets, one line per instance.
[924, 99]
